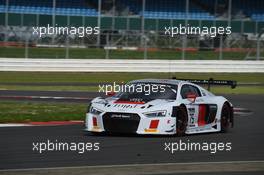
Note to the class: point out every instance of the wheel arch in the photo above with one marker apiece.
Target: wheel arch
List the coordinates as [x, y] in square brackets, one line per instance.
[231, 112]
[184, 106]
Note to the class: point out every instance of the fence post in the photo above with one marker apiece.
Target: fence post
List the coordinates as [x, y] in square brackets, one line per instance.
[145, 48]
[99, 22]
[107, 47]
[6, 19]
[26, 45]
[143, 22]
[258, 47]
[67, 39]
[184, 43]
[221, 48]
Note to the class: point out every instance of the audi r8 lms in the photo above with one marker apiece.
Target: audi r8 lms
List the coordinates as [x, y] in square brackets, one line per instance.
[161, 106]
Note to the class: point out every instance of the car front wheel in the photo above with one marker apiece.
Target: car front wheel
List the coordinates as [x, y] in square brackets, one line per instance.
[181, 121]
[225, 117]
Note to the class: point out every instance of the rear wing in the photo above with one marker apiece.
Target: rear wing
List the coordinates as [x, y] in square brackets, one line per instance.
[210, 82]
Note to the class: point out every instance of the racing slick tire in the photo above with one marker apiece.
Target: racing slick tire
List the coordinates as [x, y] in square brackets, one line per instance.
[181, 121]
[225, 117]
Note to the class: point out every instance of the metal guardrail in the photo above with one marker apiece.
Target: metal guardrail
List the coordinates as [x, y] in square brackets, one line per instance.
[111, 65]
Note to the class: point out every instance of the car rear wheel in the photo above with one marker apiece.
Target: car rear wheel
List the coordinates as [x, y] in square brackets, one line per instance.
[225, 117]
[181, 121]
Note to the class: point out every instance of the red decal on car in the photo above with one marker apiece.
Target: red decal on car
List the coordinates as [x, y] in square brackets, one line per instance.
[201, 115]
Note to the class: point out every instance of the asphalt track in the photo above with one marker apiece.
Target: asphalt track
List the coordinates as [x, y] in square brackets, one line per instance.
[246, 138]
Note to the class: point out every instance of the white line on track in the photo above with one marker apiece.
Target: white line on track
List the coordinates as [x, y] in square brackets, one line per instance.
[51, 123]
[135, 165]
[46, 97]
[13, 124]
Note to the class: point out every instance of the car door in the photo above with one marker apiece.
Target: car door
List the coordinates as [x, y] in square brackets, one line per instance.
[194, 109]
[200, 111]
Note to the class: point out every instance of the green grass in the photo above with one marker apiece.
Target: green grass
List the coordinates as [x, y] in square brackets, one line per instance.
[49, 88]
[18, 111]
[93, 53]
[40, 111]
[40, 77]
[239, 90]
[215, 89]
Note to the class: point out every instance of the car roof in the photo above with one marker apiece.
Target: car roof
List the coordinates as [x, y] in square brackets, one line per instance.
[158, 81]
[169, 82]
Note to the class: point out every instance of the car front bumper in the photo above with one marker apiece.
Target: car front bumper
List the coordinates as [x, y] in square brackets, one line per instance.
[130, 123]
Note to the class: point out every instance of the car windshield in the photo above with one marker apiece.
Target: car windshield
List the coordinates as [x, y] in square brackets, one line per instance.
[147, 91]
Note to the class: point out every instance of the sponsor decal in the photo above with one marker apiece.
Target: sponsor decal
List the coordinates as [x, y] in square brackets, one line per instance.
[119, 116]
[125, 106]
[191, 113]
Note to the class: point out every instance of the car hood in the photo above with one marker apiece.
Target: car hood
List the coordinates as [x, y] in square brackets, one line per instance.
[115, 105]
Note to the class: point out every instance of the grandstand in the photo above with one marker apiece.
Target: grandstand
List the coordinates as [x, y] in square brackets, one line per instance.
[162, 9]
[130, 22]
[76, 8]
[165, 9]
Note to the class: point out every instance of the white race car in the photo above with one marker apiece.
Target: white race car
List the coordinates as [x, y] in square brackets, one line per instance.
[175, 107]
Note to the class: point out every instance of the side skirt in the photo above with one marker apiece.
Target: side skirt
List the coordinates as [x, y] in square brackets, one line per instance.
[204, 129]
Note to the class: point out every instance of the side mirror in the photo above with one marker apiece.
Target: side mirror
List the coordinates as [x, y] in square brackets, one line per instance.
[191, 97]
[110, 94]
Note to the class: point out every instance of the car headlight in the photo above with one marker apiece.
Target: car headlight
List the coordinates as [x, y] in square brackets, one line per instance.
[155, 114]
[95, 111]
